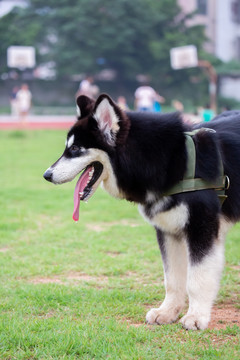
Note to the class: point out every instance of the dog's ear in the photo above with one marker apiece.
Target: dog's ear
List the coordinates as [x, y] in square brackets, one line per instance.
[108, 116]
[85, 106]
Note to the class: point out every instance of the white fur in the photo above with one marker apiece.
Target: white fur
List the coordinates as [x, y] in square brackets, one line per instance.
[151, 197]
[224, 227]
[175, 275]
[173, 220]
[70, 141]
[78, 110]
[202, 286]
[158, 207]
[67, 169]
[170, 221]
[203, 282]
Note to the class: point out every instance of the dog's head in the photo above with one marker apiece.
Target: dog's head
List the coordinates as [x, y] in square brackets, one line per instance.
[90, 144]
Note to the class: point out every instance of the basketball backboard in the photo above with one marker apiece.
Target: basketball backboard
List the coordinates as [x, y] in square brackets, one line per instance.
[184, 57]
[21, 57]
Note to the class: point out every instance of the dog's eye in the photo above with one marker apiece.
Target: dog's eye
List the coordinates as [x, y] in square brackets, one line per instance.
[74, 148]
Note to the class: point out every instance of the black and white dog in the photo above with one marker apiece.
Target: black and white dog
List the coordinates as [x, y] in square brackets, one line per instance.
[139, 157]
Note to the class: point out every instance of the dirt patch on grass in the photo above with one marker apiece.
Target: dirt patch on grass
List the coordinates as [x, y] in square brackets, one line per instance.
[46, 280]
[113, 254]
[70, 277]
[136, 325]
[235, 267]
[3, 249]
[219, 340]
[226, 315]
[47, 315]
[99, 227]
[85, 277]
[98, 281]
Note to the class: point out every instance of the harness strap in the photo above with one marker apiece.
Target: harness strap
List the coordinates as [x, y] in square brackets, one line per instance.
[190, 183]
[191, 161]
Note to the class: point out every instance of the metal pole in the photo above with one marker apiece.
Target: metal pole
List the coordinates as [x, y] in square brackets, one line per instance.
[212, 76]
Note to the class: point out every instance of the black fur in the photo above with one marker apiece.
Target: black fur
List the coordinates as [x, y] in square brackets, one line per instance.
[150, 155]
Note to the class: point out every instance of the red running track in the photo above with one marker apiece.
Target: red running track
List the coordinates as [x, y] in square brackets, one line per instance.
[36, 122]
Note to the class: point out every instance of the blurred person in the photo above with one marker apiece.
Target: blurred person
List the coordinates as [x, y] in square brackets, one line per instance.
[207, 114]
[122, 103]
[14, 101]
[226, 108]
[178, 105]
[190, 119]
[24, 100]
[145, 98]
[157, 105]
[87, 87]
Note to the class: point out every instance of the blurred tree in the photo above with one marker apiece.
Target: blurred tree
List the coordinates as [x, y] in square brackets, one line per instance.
[131, 37]
[18, 28]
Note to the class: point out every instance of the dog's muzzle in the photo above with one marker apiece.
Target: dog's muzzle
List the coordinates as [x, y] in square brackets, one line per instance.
[48, 175]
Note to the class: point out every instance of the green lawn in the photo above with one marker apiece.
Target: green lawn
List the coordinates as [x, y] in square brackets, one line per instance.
[81, 290]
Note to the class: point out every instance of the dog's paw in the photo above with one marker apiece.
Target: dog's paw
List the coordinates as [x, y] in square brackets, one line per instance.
[160, 316]
[195, 322]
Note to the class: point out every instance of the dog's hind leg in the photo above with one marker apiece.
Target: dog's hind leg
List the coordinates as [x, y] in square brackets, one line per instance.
[174, 255]
[203, 281]
[202, 286]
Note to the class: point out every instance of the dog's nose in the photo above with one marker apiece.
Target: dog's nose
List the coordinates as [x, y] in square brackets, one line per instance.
[48, 175]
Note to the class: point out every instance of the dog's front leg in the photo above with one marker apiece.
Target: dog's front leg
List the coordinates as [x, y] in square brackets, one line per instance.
[174, 255]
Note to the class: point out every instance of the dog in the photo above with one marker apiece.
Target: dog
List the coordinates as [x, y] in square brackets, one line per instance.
[140, 157]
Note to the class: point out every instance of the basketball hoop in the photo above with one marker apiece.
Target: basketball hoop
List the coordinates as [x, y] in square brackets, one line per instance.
[21, 57]
[184, 57]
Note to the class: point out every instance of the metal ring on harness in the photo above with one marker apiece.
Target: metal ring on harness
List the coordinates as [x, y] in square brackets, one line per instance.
[228, 183]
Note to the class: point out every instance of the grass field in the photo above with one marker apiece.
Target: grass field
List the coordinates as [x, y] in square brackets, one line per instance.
[81, 290]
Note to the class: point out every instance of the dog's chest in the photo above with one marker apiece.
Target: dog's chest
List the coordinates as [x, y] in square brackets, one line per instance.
[171, 221]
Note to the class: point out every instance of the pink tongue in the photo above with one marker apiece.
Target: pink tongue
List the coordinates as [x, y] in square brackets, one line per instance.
[80, 186]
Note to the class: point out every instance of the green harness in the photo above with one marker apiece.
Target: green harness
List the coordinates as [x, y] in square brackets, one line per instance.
[190, 183]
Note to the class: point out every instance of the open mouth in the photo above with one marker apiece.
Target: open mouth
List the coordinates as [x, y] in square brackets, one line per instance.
[85, 188]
